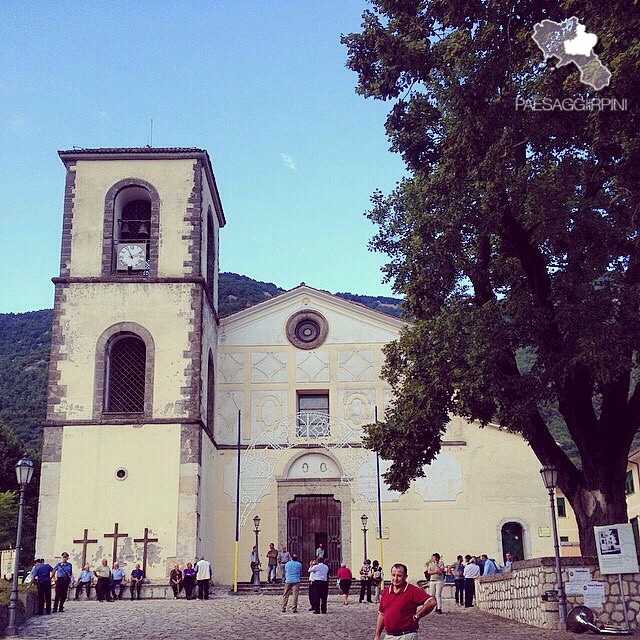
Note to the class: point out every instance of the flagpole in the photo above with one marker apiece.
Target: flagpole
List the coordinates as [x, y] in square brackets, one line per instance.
[375, 415]
[235, 559]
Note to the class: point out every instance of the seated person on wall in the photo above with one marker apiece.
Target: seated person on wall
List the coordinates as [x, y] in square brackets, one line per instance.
[84, 582]
[136, 582]
[189, 581]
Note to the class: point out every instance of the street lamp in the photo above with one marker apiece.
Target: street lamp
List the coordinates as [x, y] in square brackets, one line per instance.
[24, 471]
[364, 519]
[256, 565]
[550, 478]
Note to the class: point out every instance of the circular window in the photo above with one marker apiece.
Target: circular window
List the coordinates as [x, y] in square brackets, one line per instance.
[121, 473]
[307, 329]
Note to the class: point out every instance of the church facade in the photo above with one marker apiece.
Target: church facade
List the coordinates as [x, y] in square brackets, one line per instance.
[167, 425]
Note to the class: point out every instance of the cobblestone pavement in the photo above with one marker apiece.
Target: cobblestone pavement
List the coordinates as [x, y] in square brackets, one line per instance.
[258, 617]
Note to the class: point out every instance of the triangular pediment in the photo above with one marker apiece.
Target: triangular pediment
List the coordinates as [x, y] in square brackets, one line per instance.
[348, 322]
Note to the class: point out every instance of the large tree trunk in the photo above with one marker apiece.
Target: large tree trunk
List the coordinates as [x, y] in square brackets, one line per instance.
[598, 502]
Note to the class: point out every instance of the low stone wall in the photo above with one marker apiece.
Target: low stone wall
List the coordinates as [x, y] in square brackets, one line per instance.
[26, 608]
[517, 594]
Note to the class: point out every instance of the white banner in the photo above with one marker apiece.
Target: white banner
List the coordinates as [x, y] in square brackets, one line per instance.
[616, 549]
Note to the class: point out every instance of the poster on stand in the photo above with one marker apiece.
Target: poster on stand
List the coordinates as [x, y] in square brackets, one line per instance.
[616, 548]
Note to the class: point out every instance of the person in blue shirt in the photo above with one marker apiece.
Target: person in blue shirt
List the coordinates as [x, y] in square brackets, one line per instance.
[42, 577]
[490, 566]
[136, 582]
[84, 581]
[292, 572]
[62, 574]
[117, 578]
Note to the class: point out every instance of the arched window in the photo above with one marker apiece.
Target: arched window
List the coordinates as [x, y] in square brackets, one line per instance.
[131, 229]
[125, 372]
[211, 253]
[211, 392]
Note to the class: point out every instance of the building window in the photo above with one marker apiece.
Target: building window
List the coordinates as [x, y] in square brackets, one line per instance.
[561, 506]
[125, 375]
[636, 532]
[564, 539]
[313, 414]
[628, 483]
[211, 254]
[211, 392]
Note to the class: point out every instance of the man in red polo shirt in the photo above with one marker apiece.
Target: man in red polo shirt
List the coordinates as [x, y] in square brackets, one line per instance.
[401, 606]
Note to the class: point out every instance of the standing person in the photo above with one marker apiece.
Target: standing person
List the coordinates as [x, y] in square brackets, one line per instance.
[435, 569]
[117, 581]
[377, 579]
[175, 580]
[62, 574]
[292, 573]
[490, 566]
[272, 563]
[320, 573]
[42, 577]
[136, 582]
[203, 577]
[401, 606]
[84, 581]
[283, 557]
[103, 573]
[471, 572]
[320, 551]
[365, 580]
[457, 571]
[255, 562]
[312, 577]
[509, 560]
[345, 578]
[188, 580]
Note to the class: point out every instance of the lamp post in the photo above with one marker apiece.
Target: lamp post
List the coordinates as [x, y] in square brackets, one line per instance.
[364, 519]
[550, 478]
[24, 471]
[256, 565]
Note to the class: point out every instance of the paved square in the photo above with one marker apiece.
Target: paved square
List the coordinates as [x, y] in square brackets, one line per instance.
[258, 617]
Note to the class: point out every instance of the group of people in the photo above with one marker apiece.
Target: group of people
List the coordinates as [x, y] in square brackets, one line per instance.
[194, 574]
[110, 582]
[464, 571]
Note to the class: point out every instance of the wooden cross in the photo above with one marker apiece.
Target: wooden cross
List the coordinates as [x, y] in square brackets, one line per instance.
[84, 542]
[145, 541]
[115, 535]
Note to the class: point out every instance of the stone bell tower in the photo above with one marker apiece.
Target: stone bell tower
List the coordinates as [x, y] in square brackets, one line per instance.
[128, 449]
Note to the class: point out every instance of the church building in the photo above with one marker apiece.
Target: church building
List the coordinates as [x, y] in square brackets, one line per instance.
[167, 424]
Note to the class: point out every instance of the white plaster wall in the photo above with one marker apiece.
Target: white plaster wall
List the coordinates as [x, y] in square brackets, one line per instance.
[95, 499]
[91, 309]
[173, 180]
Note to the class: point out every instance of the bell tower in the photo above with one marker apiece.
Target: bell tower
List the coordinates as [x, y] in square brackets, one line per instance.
[128, 438]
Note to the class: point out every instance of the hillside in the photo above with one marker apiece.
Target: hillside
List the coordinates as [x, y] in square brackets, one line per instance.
[25, 340]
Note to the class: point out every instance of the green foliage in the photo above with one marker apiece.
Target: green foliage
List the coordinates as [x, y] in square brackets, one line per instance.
[237, 292]
[515, 230]
[25, 340]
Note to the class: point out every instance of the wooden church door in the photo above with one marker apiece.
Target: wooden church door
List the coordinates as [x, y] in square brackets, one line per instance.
[312, 520]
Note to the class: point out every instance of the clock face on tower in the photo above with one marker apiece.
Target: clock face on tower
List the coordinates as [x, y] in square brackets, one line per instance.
[131, 256]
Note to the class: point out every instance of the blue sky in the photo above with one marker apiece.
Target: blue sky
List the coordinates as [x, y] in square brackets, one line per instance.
[261, 85]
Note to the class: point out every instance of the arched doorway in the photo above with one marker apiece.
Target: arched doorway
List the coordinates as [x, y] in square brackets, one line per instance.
[512, 540]
[313, 520]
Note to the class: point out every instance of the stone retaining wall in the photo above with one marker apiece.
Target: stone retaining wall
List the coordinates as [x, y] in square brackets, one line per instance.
[517, 594]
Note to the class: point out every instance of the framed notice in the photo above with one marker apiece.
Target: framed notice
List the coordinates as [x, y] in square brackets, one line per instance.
[616, 549]
[593, 594]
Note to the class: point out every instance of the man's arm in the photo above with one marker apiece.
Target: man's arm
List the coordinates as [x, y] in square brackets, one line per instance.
[379, 626]
[425, 609]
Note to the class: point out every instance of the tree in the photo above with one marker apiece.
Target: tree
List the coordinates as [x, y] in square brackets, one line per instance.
[514, 230]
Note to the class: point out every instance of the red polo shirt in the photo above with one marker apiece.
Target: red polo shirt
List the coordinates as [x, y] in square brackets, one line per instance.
[399, 608]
